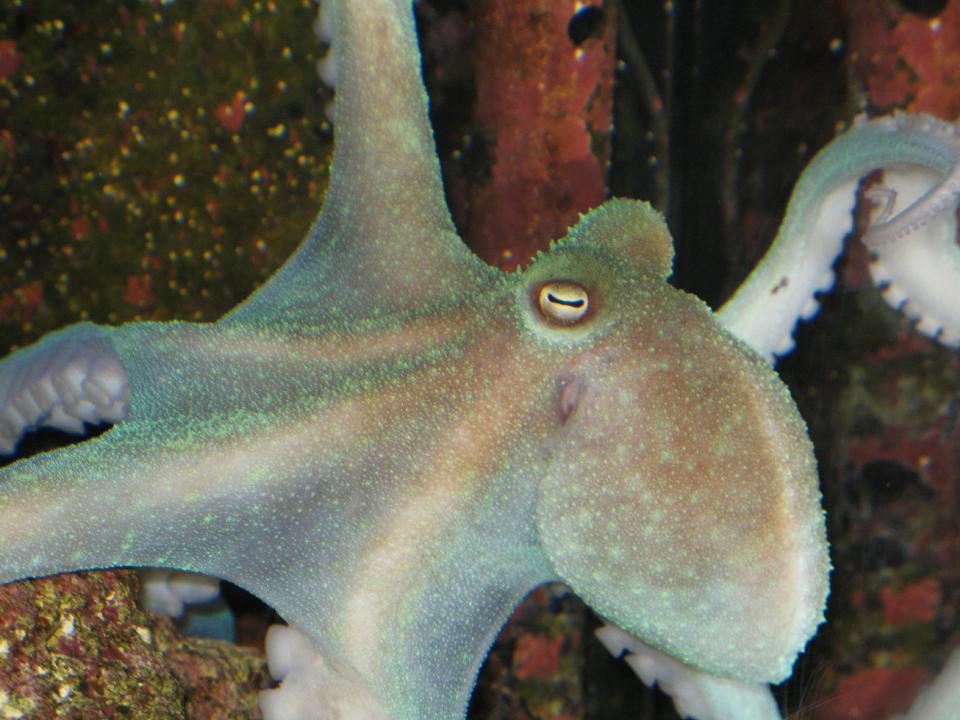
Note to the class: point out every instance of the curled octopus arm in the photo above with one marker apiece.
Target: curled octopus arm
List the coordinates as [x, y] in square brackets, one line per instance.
[912, 237]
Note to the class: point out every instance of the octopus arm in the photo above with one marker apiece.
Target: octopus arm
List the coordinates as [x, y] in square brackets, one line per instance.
[385, 186]
[69, 378]
[940, 699]
[695, 694]
[105, 498]
[913, 238]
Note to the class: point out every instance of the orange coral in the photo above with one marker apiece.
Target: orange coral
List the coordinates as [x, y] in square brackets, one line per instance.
[905, 59]
[916, 602]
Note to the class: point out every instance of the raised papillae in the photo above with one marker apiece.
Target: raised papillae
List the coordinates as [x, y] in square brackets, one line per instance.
[391, 443]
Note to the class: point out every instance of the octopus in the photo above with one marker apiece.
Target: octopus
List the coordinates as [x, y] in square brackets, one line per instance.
[392, 443]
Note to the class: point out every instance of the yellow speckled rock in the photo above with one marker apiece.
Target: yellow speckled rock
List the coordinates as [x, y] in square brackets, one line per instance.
[77, 646]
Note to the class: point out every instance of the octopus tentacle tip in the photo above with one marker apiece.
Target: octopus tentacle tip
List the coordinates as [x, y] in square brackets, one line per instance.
[694, 693]
[912, 236]
[929, 322]
[894, 296]
[825, 281]
[810, 309]
[69, 379]
[314, 687]
[784, 345]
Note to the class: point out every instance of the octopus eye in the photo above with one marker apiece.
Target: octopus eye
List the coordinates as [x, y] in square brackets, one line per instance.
[562, 302]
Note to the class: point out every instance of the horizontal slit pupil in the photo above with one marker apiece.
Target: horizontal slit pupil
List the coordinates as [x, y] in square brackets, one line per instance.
[569, 303]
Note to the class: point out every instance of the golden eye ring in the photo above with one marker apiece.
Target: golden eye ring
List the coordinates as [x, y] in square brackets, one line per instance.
[563, 302]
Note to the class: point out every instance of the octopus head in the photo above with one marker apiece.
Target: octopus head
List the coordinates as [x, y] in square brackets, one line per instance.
[679, 495]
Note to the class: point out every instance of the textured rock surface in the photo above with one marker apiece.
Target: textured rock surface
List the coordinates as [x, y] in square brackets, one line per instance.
[77, 646]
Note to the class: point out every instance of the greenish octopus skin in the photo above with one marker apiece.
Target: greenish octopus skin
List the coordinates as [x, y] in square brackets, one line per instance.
[391, 443]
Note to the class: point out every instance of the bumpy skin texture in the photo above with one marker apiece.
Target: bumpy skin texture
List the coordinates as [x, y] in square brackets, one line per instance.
[391, 442]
